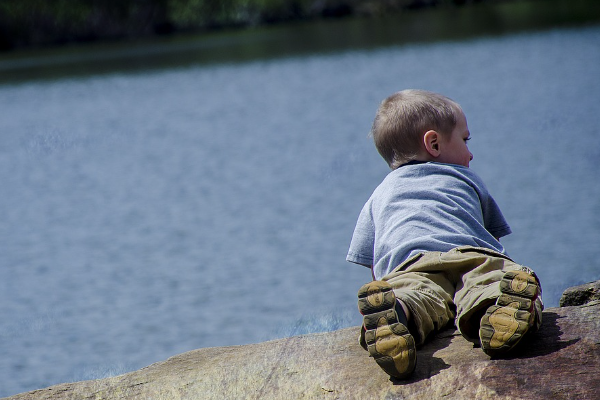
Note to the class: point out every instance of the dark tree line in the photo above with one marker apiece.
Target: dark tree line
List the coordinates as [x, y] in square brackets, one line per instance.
[25, 23]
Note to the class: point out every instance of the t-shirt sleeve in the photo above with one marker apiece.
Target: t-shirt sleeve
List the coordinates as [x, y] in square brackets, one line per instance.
[494, 221]
[363, 240]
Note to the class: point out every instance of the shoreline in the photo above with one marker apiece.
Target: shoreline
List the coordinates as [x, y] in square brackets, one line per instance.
[31, 28]
[293, 39]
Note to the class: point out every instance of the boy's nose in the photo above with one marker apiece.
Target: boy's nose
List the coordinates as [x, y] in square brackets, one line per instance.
[471, 156]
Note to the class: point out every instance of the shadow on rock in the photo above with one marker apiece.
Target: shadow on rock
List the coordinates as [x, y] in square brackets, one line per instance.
[427, 364]
[543, 342]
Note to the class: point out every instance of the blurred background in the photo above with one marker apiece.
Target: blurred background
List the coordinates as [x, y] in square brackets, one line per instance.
[179, 174]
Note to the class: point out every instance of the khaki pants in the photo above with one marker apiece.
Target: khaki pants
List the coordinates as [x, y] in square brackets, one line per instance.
[461, 283]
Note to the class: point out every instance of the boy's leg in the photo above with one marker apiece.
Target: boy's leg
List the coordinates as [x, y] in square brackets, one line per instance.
[385, 333]
[498, 301]
[423, 286]
[516, 313]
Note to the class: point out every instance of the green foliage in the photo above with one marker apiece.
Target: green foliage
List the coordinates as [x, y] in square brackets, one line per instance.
[34, 22]
[42, 22]
[195, 13]
[30, 21]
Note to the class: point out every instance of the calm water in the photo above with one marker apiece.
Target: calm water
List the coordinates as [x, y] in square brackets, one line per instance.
[150, 213]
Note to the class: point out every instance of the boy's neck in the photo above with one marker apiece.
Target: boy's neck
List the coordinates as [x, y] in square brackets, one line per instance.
[414, 162]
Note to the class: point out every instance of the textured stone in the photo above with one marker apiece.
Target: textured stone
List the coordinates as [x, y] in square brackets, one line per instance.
[580, 295]
[561, 361]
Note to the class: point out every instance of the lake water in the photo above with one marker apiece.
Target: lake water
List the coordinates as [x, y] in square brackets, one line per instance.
[151, 212]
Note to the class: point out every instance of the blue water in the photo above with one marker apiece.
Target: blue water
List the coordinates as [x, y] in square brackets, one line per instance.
[151, 213]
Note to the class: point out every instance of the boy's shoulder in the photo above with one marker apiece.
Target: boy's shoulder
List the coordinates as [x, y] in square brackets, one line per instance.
[430, 180]
[434, 171]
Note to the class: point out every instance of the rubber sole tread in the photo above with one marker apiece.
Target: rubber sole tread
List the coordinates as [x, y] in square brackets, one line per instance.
[506, 323]
[388, 340]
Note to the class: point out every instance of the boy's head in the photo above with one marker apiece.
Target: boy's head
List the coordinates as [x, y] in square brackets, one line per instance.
[412, 124]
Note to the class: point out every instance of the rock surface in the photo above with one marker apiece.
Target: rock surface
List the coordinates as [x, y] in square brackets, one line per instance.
[580, 295]
[561, 361]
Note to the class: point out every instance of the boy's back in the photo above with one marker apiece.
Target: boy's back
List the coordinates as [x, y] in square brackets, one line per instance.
[425, 207]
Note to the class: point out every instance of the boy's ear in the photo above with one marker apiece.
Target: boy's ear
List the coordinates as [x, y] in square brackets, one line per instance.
[432, 140]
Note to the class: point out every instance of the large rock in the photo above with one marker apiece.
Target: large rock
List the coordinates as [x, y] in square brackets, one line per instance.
[580, 295]
[561, 361]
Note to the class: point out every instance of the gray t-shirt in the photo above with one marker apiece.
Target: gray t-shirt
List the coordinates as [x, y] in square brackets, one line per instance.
[425, 207]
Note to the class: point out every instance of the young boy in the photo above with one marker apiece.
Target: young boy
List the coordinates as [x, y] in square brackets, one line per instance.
[430, 234]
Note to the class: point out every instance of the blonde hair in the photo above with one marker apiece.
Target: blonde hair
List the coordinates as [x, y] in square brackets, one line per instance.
[403, 118]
